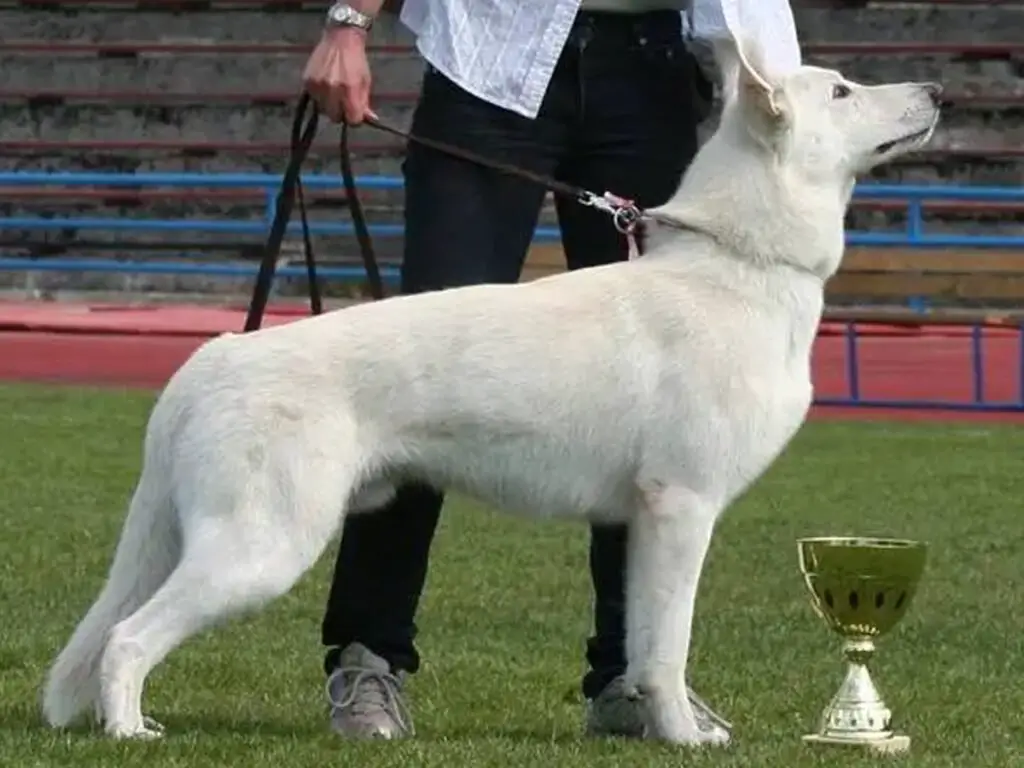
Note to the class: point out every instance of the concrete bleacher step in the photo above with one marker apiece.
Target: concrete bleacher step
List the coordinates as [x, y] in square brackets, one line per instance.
[85, 25]
[137, 120]
[995, 76]
[920, 21]
[255, 139]
[197, 116]
[221, 72]
[888, 21]
[998, 73]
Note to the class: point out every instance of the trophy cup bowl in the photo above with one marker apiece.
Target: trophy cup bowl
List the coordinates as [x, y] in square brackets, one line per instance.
[861, 587]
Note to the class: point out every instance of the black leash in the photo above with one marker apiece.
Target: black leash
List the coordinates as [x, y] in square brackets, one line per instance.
[355, 206]
[291, 188]
[625, 215]
[302, 139]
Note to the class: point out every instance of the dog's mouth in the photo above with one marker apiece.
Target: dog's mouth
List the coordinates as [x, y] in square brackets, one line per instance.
[912, 139]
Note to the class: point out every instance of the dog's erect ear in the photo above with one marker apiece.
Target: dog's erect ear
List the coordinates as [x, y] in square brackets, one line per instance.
[742, 79]
[754, 89]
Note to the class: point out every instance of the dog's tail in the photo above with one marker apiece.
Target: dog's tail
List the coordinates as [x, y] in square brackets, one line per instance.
[149, 549]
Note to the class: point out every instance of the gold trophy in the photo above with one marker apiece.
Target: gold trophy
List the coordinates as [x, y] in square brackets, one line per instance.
[861, 588]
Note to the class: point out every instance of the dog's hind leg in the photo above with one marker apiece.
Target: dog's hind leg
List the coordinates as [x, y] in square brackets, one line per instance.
[231, 563]
[669, 539]
[230, 571]
[147, 553]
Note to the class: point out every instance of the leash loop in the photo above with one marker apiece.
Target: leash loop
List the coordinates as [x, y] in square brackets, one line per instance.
[358, 215]
[302, 135]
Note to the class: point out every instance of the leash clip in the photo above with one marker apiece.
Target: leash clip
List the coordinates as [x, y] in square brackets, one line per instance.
[625, 213]
[626, 217]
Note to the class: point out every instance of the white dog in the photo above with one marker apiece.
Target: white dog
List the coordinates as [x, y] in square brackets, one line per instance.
[651, 392]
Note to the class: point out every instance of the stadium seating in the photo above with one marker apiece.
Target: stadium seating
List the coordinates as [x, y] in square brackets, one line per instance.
[183, 86]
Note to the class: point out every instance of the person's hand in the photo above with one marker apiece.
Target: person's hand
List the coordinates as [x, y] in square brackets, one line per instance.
[337, 75]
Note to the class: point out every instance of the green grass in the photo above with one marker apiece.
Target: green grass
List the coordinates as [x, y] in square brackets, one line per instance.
[508, 607]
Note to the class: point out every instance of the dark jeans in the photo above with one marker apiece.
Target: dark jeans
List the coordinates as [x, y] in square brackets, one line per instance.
[620, 115]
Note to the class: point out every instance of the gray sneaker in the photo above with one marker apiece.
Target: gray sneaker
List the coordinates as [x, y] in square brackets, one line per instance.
[618, 712]
[366, 698]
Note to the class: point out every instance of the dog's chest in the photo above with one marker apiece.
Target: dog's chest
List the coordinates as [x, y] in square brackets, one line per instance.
[772, 417]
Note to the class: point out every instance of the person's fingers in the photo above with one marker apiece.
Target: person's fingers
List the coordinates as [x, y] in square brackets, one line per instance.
[354, 106]
[318, 92]
[356, 101]
[312, 75]
[328, 98]
[333, 105]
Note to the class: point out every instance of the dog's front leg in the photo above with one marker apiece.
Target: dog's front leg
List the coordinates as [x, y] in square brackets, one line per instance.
[669, 539]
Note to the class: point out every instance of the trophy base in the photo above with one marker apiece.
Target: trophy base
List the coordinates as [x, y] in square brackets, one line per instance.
[893, 745]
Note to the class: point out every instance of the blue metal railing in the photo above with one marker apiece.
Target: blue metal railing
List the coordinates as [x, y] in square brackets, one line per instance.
[976, 357]
[913, 235]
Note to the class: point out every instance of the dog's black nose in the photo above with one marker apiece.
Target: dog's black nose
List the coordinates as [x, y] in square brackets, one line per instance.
[934, 91]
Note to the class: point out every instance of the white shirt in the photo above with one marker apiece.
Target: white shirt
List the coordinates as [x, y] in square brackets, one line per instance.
[505, 51]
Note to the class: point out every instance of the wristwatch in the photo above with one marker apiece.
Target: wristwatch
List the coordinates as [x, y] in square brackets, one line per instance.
[344, 15]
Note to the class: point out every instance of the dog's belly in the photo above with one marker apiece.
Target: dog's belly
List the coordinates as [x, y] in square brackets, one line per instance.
[532, 476]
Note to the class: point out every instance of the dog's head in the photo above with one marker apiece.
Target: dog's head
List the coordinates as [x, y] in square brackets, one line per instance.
[820, 125]
[773, 183]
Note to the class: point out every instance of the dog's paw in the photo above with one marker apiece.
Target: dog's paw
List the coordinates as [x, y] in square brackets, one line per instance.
[715, 736]
[671, 719]
[690, 737]
[146, 729]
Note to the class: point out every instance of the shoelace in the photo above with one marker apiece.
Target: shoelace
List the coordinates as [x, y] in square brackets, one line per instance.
[382, 692]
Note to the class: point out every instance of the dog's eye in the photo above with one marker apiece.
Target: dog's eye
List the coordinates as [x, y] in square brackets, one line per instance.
[840, 91]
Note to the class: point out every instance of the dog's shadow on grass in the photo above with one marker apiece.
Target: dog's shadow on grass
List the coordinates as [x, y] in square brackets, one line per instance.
[24, 718]
[508, 733]
[316, 727]
[178, 725]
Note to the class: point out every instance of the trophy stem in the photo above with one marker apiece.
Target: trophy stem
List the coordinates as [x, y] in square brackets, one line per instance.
[857, 714]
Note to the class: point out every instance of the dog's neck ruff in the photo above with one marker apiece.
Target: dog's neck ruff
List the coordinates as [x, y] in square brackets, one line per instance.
[673, 222]
[679, 224]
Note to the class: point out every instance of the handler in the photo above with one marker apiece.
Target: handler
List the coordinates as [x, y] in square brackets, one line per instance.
[600, 94]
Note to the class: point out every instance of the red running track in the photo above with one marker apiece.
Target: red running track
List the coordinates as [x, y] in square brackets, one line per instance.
[142, 347]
